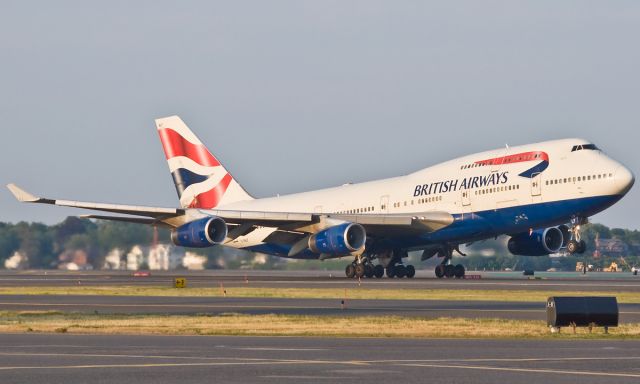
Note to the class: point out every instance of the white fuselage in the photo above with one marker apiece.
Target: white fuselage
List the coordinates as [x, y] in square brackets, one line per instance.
[465, 185]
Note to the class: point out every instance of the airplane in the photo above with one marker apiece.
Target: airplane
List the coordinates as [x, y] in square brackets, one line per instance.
[538, 194]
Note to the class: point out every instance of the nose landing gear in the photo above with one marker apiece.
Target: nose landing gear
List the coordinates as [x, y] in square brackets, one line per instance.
[576, 244]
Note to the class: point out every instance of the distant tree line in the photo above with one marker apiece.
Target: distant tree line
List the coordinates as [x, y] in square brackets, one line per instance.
[42, 244]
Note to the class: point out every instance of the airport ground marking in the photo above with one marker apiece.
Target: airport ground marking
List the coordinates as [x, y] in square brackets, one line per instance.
[526, 370]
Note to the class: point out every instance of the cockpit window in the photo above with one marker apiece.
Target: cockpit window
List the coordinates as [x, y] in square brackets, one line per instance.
[591, 147]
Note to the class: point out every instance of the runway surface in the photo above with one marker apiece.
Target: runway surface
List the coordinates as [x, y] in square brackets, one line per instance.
[319, 307]
[69, 359]
[596, 281]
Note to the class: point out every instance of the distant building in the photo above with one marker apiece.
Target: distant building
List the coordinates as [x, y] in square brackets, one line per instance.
[135, 258]
[612, 247]
[17, 261]
[113, 260]
[164, 257]
[193, 261]
[74, 260]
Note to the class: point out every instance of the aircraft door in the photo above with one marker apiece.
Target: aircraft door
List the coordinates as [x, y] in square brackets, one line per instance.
[536, 185]
[466, 199]
[384, 204]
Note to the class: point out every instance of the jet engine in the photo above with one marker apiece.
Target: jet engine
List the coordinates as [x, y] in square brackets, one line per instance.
[339, 240]
[540, 242]
[200, 233]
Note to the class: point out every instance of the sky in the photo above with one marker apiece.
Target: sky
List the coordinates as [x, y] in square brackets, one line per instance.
[299, 95]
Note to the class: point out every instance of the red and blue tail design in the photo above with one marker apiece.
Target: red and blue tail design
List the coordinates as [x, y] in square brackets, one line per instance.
[542, 159]
[200, 180]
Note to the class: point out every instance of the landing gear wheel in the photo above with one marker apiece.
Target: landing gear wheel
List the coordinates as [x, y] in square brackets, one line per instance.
[573, 246]
[391, 272]
[440, 271]
[368, 271]
[378, 271]
[401, 271]
[411, 271]
[458, 271]
[359, 271]
[350, 271]
[449, 271]
[582, 247]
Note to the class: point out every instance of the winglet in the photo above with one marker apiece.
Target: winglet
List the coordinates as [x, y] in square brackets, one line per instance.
[22, 195]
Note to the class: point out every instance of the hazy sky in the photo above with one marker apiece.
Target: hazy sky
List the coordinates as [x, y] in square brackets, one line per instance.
[298, 95]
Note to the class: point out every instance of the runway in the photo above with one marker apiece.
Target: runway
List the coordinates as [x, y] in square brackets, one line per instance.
[69, 359]
[596, 281]
[318, 307]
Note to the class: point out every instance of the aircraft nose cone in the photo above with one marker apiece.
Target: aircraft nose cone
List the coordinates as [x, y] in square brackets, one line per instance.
[624, 179]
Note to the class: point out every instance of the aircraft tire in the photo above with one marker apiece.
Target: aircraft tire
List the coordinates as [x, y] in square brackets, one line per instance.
[582, 247]
[378, 271]
[368, 271]
[573, 246]
[350, 271]
[459, 271]
[411, 271]
[449, 271]
[391, 272]
[439, 271]
[360, 271]
[400, 271]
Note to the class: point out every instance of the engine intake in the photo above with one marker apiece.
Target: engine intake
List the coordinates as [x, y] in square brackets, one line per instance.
[541, 242]
[200, 233]
[339, 240]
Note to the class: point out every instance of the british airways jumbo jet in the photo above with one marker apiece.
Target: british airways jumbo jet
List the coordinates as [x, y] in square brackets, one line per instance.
[538, 194]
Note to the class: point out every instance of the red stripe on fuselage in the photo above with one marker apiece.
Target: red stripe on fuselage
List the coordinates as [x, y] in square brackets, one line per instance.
[517, 158]
[176, 145]
[211, 198]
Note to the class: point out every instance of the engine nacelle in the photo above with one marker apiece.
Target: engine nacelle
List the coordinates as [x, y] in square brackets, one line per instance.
[339, 240]
[200, 233]
[541, 242]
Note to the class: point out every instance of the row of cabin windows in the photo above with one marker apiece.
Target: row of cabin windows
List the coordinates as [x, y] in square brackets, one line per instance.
[357, 210]
[578, 179]
[497, 189]
[429, 199]
[474, 165]
[419, 201]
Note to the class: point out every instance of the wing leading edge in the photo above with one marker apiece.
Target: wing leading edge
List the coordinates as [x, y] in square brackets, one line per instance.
[288, 221]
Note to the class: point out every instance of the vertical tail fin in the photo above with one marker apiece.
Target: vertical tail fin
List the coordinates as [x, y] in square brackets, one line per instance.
[201, 181]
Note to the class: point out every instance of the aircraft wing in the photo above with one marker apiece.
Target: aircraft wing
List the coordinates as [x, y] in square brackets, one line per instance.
[287, 221]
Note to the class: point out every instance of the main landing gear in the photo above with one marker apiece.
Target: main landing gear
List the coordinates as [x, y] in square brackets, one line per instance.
[448, 270]
[363, 267]
[576, 244]
[400, 271]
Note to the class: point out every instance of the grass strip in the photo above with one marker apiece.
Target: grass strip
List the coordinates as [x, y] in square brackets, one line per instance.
[356, 292]
[294, 325]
